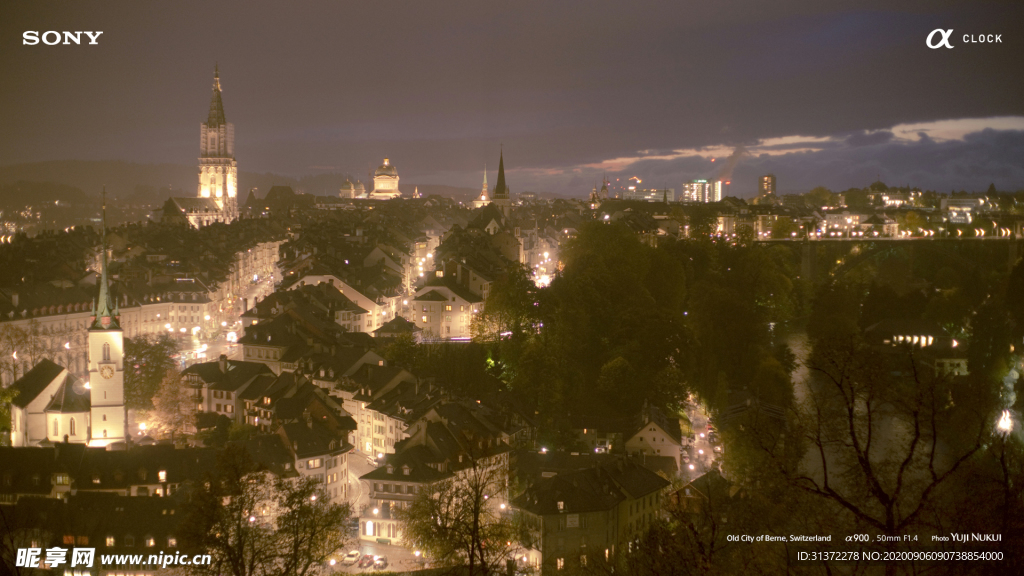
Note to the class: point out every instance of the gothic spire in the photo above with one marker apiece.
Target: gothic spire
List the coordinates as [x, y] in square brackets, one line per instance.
[105, 309]
[500, 191]
[216, 104]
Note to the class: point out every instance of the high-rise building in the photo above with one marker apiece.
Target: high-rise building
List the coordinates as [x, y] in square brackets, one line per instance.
[766, 185]
[702, 191]
[649, 194]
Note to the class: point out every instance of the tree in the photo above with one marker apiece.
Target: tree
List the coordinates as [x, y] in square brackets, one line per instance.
[510, 307]
[874, 426]
[702, 221]
[819, 196]
[146, 361]
[174, 406]
[784, 227]
[459, 522]
[254, 524]
[402, 351]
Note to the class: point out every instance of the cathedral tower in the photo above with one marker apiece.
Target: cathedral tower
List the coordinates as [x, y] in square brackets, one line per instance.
[218, 171]
[108, 417]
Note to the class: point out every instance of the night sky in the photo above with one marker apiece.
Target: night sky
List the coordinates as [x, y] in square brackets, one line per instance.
[809, 90]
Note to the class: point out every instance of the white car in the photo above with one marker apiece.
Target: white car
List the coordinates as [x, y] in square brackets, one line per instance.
[351, 558]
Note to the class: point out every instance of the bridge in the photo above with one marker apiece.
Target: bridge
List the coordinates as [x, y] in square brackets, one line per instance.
[828, 259]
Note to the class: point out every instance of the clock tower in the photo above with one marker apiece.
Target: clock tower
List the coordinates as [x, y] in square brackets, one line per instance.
[108, 417]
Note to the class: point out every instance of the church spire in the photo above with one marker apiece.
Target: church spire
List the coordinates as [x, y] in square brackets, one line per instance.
[500, 190]
[105, 309]
[216, 104]
[485, 179]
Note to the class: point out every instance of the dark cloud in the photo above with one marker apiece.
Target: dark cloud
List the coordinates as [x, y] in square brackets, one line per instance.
[439, 86]
[968, 164]
[869, 138]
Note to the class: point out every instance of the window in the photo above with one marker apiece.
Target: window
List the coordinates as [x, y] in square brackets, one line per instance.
[162, 475]
[447, 307]
[583, 560]
[150, 542]
[560, 563]
[110, 541]
[62, 479]
[172, 542]
[561, 505]
[129, 541]
[315, 463]
[106, 352]
[72, 427]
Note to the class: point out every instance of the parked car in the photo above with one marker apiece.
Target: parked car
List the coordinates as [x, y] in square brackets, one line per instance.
[367, 561]
[380, 563]
[350, 558]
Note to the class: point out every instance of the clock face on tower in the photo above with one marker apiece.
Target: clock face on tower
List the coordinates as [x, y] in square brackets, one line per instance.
[107, 371]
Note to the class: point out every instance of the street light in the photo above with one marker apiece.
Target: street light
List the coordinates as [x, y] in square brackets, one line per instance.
[1005, 423]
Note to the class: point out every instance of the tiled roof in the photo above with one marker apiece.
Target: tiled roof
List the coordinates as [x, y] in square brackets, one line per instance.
[72, 397]
[35, 381]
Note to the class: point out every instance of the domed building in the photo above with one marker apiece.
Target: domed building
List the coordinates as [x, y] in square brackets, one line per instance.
[385, 182]
[347, 190]
[360, 190]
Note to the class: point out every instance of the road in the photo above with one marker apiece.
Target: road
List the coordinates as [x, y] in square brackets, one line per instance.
[701, 455]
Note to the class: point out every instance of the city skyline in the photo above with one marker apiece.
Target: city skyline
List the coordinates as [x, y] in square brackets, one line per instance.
[816, 95]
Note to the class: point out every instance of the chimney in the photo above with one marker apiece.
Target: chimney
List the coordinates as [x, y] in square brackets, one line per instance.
[223, 361]
[308, 418]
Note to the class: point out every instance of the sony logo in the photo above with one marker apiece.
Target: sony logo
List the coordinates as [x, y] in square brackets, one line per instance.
[53, 37]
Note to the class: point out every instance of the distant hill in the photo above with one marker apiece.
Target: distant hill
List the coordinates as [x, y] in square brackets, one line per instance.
[459, 194]
[15, 195]
[151, 183]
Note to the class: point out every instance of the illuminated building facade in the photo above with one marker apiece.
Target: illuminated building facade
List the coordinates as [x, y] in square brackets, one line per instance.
[218, 170]
[385, 182]
[702, 191]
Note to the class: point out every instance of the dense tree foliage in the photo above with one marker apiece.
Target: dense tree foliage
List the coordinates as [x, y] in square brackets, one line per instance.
[174, 406]
[457, 523]
[254, 524]
[146, 361]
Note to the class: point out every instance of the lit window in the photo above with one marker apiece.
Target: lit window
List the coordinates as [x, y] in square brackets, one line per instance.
[162, 475]
[560, 563]
[561, 505]
[110, 541]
